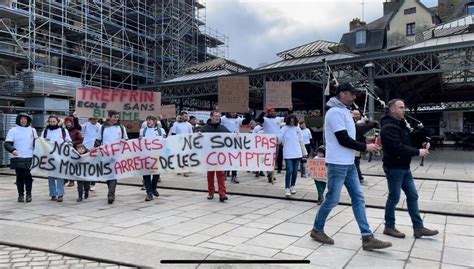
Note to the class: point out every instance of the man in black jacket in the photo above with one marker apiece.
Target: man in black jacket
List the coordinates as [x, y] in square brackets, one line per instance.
[398, 151]
[214, 126]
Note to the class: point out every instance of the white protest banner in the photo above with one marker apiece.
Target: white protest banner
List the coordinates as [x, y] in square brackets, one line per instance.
[136, 157]
[317, 169]
[132, 105]
[278, 94]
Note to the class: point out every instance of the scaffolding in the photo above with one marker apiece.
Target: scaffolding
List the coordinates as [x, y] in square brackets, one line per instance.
[105, 43]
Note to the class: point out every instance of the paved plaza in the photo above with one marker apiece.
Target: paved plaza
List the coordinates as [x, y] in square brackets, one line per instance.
[184, 225]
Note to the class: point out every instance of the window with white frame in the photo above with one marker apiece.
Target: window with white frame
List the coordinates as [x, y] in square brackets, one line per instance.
[361, 38]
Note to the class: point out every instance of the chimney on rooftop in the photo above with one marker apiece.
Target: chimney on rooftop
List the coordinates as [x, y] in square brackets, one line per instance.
[389, 6]
[355, 23]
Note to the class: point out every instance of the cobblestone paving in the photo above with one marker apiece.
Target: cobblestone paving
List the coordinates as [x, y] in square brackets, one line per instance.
[13, 257]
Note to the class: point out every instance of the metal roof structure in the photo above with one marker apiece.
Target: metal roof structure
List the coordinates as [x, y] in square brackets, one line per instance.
[444, 40]
[316, 48]
[308, 60]
[457, 26]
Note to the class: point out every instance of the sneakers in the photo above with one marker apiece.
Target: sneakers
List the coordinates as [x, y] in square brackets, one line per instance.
[21, 198]
[155, 193]
[292, 190]
[53, 198]
[371, 243]
[223, 199]
[287, 192]
[86, 195]
[110, 199]
[60, 198]
[92, 187]
[419, 232]
[28, 198]
[71, 184]
[79, 199]
[303, 175]
[210, 197]
[393, 232]
[321, 237]
[320, 198]
[149, 197]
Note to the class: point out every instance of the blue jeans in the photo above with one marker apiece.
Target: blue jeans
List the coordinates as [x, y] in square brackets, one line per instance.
[291, 172]
[339, 175]
[401, 179]
[56, 186]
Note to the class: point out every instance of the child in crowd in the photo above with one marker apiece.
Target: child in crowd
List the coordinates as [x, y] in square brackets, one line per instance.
[83, 186]
[320, 183]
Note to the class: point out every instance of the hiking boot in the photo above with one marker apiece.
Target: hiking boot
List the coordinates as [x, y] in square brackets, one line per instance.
[110, 199]
[60, 198]
[28, 198]
[210, 197]
[155, 193]
[321, 237]
[371, 243]
[419, 232]
[53, 198]
[21, 198]
[393, 232]
[149, 197]
[287, 192]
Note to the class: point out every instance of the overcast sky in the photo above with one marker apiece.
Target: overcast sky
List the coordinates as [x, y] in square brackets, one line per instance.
[258, 29]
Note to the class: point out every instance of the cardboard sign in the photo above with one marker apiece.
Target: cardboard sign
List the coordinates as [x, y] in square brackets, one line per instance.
[137, 157]
[317, 169]
[131, 105]
[131, 126]
[233, 94]
[168, 111]
[278, 94]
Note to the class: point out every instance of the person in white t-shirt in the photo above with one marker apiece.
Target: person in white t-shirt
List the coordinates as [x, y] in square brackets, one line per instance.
[54, 132]
[91, 131]
[271, 125]
[308, 141]
[182, 126]
[112, 131]
[20, 143]
[233, 121]
[340, 133]
[150, 131]
[293, 150]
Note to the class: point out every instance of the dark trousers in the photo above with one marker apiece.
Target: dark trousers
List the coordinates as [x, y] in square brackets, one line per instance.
[150, 182]
[23, 180]
[279, 161]
[83, 186]
[357, 164]
[112, 185]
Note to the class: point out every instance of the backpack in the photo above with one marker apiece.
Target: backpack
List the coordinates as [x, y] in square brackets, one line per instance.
[63, 132]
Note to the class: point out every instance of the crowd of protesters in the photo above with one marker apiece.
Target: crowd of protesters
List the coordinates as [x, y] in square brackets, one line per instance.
[295, 147]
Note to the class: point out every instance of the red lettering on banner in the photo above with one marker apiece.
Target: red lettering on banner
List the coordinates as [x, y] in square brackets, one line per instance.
[93, 152]
[264, 142]
[95, 94]
[157, 144]
[123, 95]
[136, 145]
[237, 157]
[148, 97]
[248, 156]
[104, 151]
[105, 96]
[114, 147]
[267, 160]
[133, 96]
[208, 161]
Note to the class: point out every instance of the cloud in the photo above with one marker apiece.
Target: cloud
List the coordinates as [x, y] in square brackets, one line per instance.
[258, 29]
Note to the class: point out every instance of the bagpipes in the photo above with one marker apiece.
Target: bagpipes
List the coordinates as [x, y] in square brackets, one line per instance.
[419, 135]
